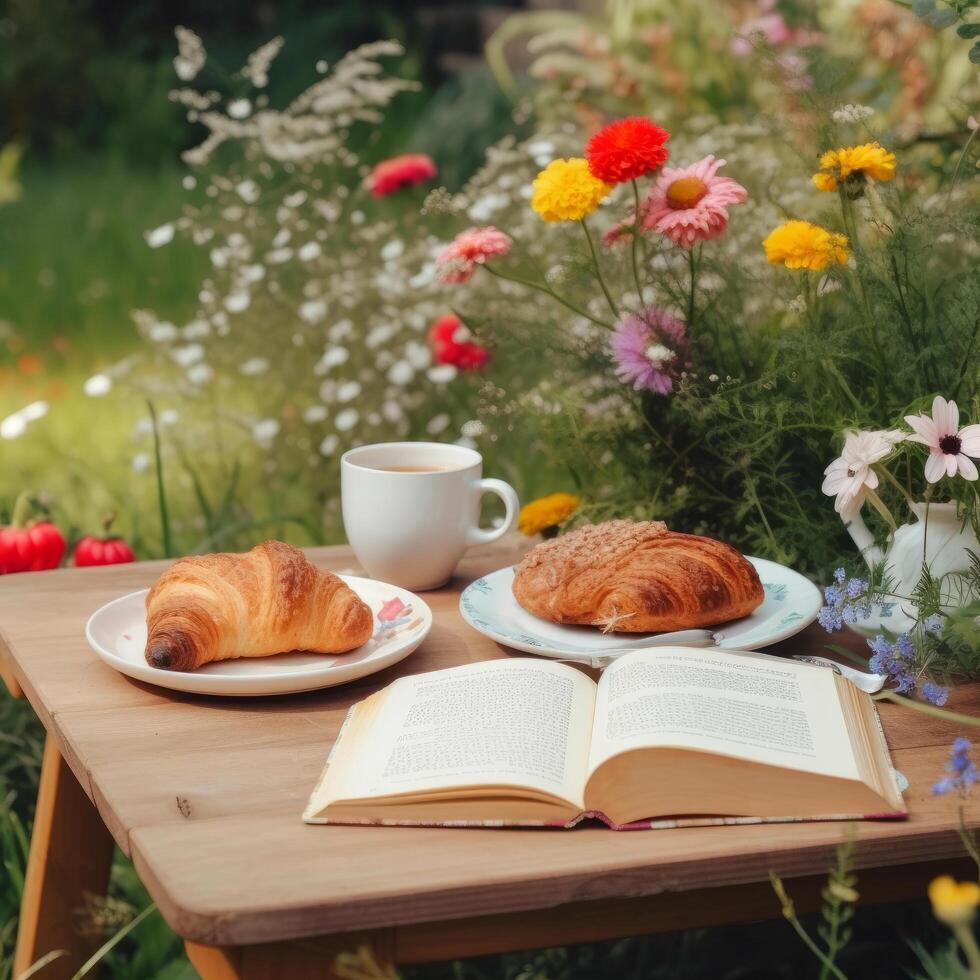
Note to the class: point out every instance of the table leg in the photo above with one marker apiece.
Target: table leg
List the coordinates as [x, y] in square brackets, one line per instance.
[71, 855]
[355, 956]
[7, 674]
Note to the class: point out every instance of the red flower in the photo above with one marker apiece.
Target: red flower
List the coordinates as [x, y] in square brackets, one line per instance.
[451, 344]
[626, 149]
[398, 172]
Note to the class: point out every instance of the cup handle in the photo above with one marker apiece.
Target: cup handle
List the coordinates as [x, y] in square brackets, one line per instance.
[477, 535]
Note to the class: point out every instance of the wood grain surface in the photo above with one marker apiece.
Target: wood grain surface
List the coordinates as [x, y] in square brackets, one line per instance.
[205, 793]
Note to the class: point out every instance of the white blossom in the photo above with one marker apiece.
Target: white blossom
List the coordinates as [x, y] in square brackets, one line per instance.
[15, 425]
[97, 385]
[401, 373]
[392, 250]
[238, 302]
[190, 54]
[851, 113]
[348, 391]
[438, 424]
[313, 310]
[239, 108]
[314, 414]
[187, 355]
[254, 366]
[200, 374]
[442, 373]
[160, 236]
[346, 419]
[265, 430]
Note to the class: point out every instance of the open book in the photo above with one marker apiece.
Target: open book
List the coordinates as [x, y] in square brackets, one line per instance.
[667, 736]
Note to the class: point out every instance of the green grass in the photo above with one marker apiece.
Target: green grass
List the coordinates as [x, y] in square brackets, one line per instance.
[73, 263]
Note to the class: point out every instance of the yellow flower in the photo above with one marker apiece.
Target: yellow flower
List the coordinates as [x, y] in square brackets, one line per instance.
[804, 245]
[852, 164]
[954, 902]
[566, 191]
[546, 512]
[825, 181]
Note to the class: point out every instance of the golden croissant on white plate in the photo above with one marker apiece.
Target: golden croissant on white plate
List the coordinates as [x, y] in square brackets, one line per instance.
[269, 600]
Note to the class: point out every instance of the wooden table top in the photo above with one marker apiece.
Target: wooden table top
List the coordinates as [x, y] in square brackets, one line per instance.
[206, 793]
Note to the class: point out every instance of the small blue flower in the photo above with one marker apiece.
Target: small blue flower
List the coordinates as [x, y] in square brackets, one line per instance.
[904, 647]
[933, 624]
[904, 681]
[935, 693]
[847, 601]
[962, 772]
[830, 619]
[880, 646]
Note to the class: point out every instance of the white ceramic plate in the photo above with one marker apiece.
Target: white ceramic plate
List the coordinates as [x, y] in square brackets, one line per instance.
[117, 633]
[488, 604]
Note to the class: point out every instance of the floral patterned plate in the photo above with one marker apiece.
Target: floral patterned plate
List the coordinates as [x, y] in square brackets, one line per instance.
[488, 604]
[117, 633]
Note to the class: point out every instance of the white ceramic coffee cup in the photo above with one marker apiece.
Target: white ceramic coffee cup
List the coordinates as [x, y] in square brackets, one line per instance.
[411, 528]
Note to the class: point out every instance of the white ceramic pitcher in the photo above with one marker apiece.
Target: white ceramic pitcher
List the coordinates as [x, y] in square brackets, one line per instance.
[938, 539]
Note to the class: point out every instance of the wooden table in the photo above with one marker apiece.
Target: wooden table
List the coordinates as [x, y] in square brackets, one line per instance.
[205, 795]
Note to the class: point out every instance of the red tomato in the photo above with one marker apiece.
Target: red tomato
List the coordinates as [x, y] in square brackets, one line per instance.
[102, 551]
[30, 549]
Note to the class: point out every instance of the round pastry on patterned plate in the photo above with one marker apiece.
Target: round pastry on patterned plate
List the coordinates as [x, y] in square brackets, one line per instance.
[636, 577]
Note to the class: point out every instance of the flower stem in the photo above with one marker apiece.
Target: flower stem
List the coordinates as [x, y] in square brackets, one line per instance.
[168, 546]
[927, 709]
[598, 268]
[690, 294]
[879, 505]
[964, 936]
[636, 236]
[544, 288]
[850, 225]
[889, 476]
[789, 914]
[969, 842]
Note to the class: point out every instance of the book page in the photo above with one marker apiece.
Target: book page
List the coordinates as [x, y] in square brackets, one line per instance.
[518, 722]
[750, 706]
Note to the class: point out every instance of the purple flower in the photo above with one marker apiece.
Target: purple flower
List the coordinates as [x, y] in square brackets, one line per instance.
[962, 772]
[895, 660]
[933, 624]
[847, 601]
[650, 350]
[935, 693]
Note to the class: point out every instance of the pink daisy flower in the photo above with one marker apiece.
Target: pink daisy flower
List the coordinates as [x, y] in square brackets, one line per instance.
[950, 447]
[458, 260]
[650, 350]
[690, 204]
